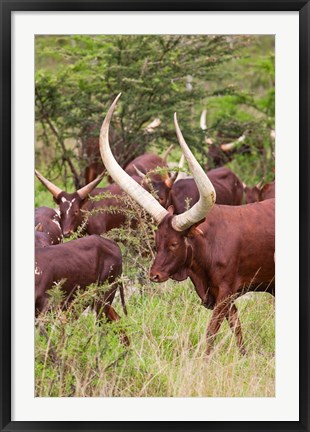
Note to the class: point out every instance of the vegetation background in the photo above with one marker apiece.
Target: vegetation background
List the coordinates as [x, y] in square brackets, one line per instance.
[77, 78]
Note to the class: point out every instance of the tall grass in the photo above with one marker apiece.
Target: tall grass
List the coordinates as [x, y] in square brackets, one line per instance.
[166, 327]
[80, 355]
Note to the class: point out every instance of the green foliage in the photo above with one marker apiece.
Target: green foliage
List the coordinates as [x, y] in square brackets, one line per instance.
[166, 327]
[78, 76]
[79, 354]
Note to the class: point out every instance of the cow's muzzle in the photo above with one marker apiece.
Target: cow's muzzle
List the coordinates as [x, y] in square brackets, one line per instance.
[157, 276]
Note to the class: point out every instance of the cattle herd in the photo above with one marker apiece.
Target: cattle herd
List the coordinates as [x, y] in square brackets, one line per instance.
[212, 229]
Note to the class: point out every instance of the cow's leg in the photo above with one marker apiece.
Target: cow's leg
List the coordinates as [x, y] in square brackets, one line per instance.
[41, 304]
[106, 308]
[235, 326]
[112, 315]
[103, 303]
[220, 311]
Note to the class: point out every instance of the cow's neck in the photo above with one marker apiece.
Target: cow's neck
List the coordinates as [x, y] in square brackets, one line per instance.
[201, 263]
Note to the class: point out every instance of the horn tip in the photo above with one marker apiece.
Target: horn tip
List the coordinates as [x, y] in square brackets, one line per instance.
[117, 97]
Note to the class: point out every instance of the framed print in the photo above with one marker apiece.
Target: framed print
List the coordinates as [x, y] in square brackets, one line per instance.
[237, 76]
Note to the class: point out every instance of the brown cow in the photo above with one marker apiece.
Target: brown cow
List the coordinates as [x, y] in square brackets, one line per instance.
[220, 155]
[73, 207]
[79, 263]
[226, 251]
[145, 166]
[149, 162]
[41, 239]
[47, 227]
[70, 204]
[228, 188]
[260, 192]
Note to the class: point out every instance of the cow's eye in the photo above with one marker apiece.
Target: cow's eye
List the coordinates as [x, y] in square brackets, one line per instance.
[76, 212]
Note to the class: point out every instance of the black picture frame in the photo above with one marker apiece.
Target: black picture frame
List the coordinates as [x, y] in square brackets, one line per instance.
[6, 8]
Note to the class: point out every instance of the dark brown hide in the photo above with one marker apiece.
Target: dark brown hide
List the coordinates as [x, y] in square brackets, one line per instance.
[224, 250]
[256, 194]
[154, 182]
[229, 253]
[161, 189]
[104, 219]
[229, 190]
[73, 210]
[268, 191]
[71, 217]
[47, 221]
[216, 157]
[145, 163]
[80, 263]
[42, 239]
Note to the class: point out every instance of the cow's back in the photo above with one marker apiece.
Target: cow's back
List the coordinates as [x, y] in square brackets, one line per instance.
[79, 262]
[145, 163]
[109, 212]
[239, 243]
[228, 187]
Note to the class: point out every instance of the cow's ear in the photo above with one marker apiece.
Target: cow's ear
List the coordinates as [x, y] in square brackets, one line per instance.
[195, 230]
[84, 201]
[170, 209]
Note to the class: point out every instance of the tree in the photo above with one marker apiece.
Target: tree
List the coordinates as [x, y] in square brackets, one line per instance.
[156, 74]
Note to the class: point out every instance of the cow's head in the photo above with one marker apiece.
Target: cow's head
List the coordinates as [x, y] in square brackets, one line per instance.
[252, 195]
[161, 185]
[70, 204]
[161, 188]
[173, 250]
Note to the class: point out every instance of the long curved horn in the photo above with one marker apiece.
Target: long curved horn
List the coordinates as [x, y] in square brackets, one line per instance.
[231, 145]
[143, 176]
[203, 120]
[128, 184]
[84, 191]
[204, 185]
[54, 190]
[139, 173]
[181, 165]
[182, 160]
[169, 182]
[167, 152]
[150, 128]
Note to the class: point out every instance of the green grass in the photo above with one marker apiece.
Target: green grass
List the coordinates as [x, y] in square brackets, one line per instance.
[78, 356]
[166, 326]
